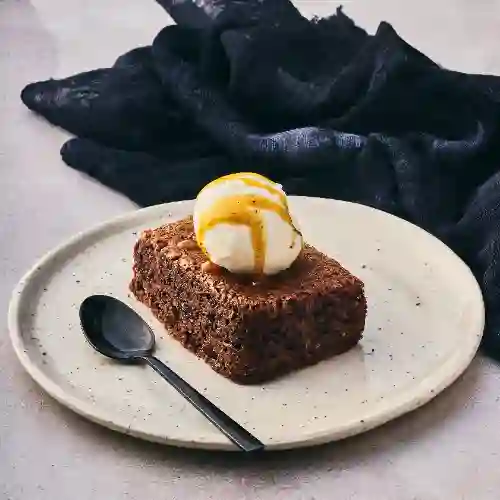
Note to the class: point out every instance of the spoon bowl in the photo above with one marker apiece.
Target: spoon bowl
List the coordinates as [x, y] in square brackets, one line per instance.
[115, 330]
[118, 332]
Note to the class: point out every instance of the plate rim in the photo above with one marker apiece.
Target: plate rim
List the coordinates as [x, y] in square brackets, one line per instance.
[452, 369]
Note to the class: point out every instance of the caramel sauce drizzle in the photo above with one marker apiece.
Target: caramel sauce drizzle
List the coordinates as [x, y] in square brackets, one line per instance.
[244, 209]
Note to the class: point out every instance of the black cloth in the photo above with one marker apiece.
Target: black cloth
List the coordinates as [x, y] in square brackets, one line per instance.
[319, 106]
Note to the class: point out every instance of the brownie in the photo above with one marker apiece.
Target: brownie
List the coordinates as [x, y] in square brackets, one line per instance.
[246, 328]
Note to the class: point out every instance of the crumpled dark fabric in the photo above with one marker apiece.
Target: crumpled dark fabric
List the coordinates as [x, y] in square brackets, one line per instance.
[320, 106]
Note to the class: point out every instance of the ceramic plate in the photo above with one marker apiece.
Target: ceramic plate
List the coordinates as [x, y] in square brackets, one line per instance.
[424, 324]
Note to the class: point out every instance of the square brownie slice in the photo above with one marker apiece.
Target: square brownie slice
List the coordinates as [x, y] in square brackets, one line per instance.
[249, 330]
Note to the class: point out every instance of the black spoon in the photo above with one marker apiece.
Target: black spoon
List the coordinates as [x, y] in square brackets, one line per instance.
[118, 332]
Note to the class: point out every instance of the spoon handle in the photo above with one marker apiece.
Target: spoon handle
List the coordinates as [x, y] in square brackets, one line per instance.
[237, 434]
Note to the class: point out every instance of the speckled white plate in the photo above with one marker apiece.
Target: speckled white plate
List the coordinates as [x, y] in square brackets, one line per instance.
[425, 321]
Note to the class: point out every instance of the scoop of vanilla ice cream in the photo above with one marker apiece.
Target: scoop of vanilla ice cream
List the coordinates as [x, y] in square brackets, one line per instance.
[242, 222]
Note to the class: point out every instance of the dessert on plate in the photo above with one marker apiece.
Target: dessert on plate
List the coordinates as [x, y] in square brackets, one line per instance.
[238, 287]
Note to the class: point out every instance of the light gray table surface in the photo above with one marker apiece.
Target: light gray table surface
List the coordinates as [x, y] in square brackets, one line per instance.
[450, 449]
